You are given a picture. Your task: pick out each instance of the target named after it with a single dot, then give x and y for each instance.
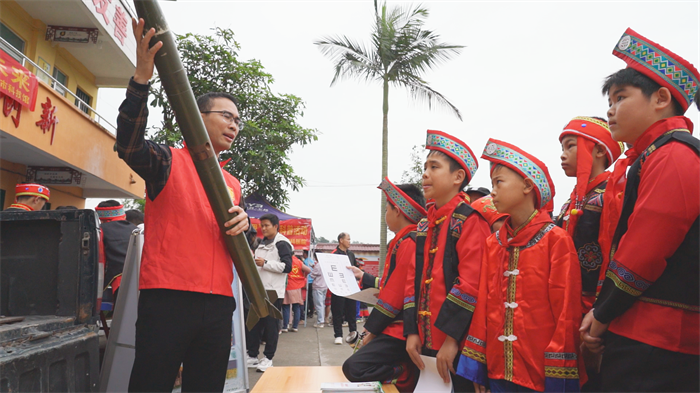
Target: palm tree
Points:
(401, 52)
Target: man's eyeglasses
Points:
(230, 118)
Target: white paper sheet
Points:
(368, 295)
(430, 380)
(340, 280)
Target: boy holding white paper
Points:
(383, 355)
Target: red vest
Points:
(184, 248)
(296, 278)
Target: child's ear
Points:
(599, 151)
(663, 98)
(529, 186)
(460, 174)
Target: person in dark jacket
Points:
(115, 232)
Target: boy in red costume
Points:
(524, 335)
(30, 197)
(441, 287)
(587, 150)
(649, 300)
(383, 356)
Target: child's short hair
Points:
(413, 192)
(632, 77)
(454, 166)
(274, 220)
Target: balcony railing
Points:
(58, 87)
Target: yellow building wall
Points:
(12, 173)
(32, 31)
(77, 140)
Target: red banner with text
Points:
(298, 231)
(16, 82)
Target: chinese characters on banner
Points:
(298, 231)
(48, 118)
(101, 8)
(17, 84)
(120, 18)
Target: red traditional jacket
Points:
(443, 282)
(585, 236)
(650, 293)
(387, 317)
(525, 327)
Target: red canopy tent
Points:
(298, 230)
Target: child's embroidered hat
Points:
(660, 64)
(589, 132)
(406, 205)
(499, 152)
(595, 130)
(487, 209)
(454, 148)
(31, 189)
(111, 213)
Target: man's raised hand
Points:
(144, 55)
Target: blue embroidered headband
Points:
(499, 152)
(453, 147)
(660, 64)
(408, 207)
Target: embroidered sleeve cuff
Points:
(552, 384)
(456, 314)
(369, 281)
(612, 301)
(472, 366)
(379, 320)
(410, 320)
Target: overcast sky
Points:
(527, 69)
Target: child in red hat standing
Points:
(587, 150)
(650, 298)
(524, 334)
(441, 287)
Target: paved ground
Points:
(307, 347)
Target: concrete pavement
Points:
(307, 347)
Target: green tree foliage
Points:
(138, 204)
(322, 240)
(414, 174)
(260, 153)
(401, 50)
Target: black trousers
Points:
(632, 366)
(268, 330)
(343, 307)
(310, 301)
(179, 327)
(376, 361)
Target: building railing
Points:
(58, 87)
